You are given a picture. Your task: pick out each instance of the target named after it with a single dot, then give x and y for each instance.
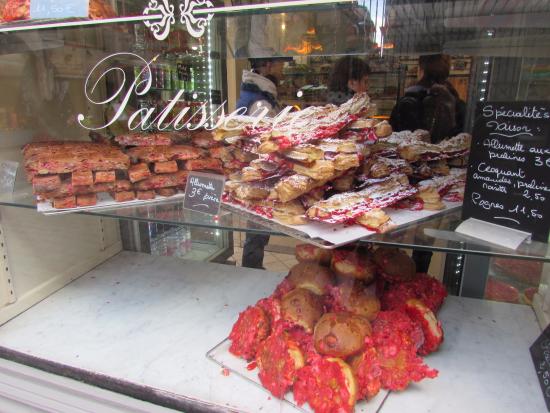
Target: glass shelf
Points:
(434, 233)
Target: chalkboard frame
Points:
(512, 206)
(218, 182)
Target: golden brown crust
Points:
(394, 264)
(311, 253)
(302, 307)
(311, 276)
(356, 300)
(322, 170)
(353, 264)
(340, 334)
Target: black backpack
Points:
(438, 110)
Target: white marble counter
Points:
(150, 321)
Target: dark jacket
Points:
(437, 109)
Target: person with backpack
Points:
(259, 91)
(431, 104)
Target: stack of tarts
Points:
(342, 326)
(333, 164)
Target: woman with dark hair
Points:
(350, 75)
(432, 103)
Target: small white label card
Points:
(58, 9)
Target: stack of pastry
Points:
(158, 166)
(141, 166)
(342, 326)
(434, 169)
(304, 156)
(334, 165)
(71, 174)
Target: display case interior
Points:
(107, 279)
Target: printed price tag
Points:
(203, 192)
(58, 9)
(508, 173)
(540, 353)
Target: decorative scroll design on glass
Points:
(161, 18)
(195, 25)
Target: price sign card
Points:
(58, 9)
(540, 353)
(203, 192)
(508, 179)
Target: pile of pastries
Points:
(341, 326)
(133, 166)
(333, 164)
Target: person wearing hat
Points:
(259, 91)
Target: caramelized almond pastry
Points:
(139, 172)
(86, 200)
(279, 358)
(291, 187)
(375, 220)
(321, 170)
(328, 385)
(290, 213)
(250, 329)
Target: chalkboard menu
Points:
(540, 353)
(58, 9)
(508, 179)
(203, 192)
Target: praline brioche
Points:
(431, 327)
(340, 334)
(394, 265)
(311, 253)
(310, 276)
(352, 298)
(251, 328)
(279, 358)
(328, 385)
(353, 264)
(302, 307)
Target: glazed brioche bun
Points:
(302, 307)
(356, 300)
(349, 377)
(353, 264)
(279, 358)
(310, 276)
(327, 384)
(394, 265)
(311, 253)
(366, 369)
(340, 334)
